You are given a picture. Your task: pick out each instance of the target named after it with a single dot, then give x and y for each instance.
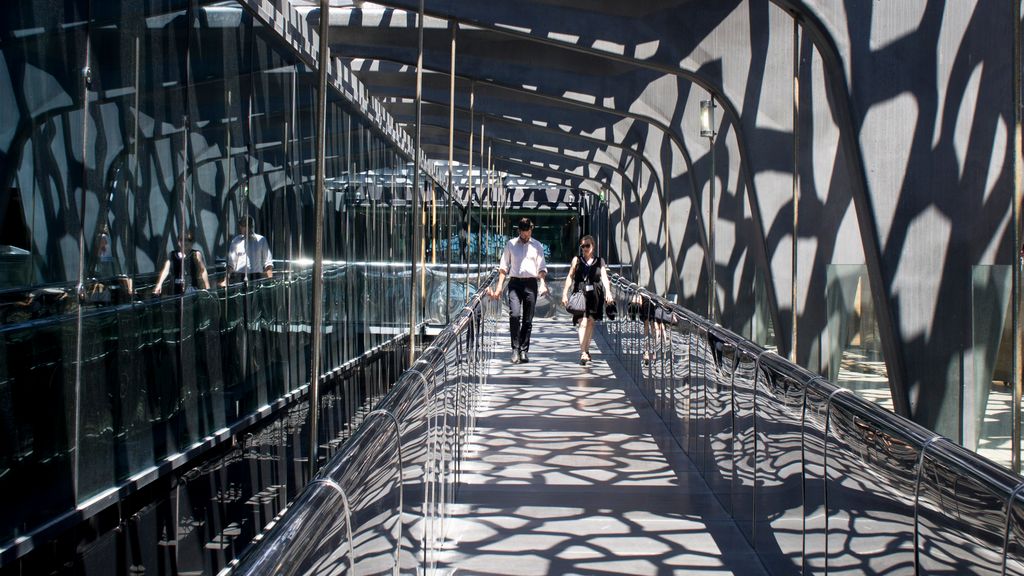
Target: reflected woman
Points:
(186, 268)
(588, 273)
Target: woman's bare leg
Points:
(581, 332)
(588, 334)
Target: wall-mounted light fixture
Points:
(707, 130)
(707, 118)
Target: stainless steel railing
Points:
(817, 479)
(380, 505)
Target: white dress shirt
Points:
(523, 259)
(249, 255)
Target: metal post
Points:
(480, 234)
(415, 216)
(1018, 205)
(669, 260)
(796, 194)
(423, 229)
(711, 236)
(318, 257)
(622, 228)
(451, 181)
(607, 224)
(433, 224)
(86, 78)
(707, 130)
(469, 186)
(491, 216)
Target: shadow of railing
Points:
(574, 475)
(817, 479)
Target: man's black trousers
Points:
(522, 301)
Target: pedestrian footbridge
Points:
(681, 448)
(243, 245)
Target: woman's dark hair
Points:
(588, 239)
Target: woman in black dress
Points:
(186, 268)
(589, 274)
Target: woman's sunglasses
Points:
(586, 246)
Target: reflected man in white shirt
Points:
(523, 262)
(248, 255)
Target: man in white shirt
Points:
(523, 262)
(248, 255)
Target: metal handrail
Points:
(401, 477)
(429, 472)
(276, 541)
(348, 518)
(938, 506)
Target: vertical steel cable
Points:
(86, 77)
(228, 170)
(1018, 205)
(498, 193)
(182, 230)
(416, 231)
(318, 258)
(249, 289)
(796, 192)
(433, 224)
(451, 185)
(469, 186)
(423, 222)
(622, 226)
(181, 184)
(713, 283)
(384, 254)
(490, 200)
(289, 134)
(483, 186)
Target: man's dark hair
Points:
(524, 224)
(249, 222)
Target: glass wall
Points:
(762, 329)
(855, 348)
(988, 389)
(157, 239)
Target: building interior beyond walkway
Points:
(245, 247)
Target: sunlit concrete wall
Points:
(891, 123)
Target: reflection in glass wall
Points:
(988, 393)
(855, 349)
(156, 238)
(762, 328)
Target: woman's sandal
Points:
(584, 358)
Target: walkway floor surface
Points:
(572, 472)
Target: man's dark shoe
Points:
(515, 357)
(523, 358)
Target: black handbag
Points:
(577, 304)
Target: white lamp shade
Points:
(707, 118)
